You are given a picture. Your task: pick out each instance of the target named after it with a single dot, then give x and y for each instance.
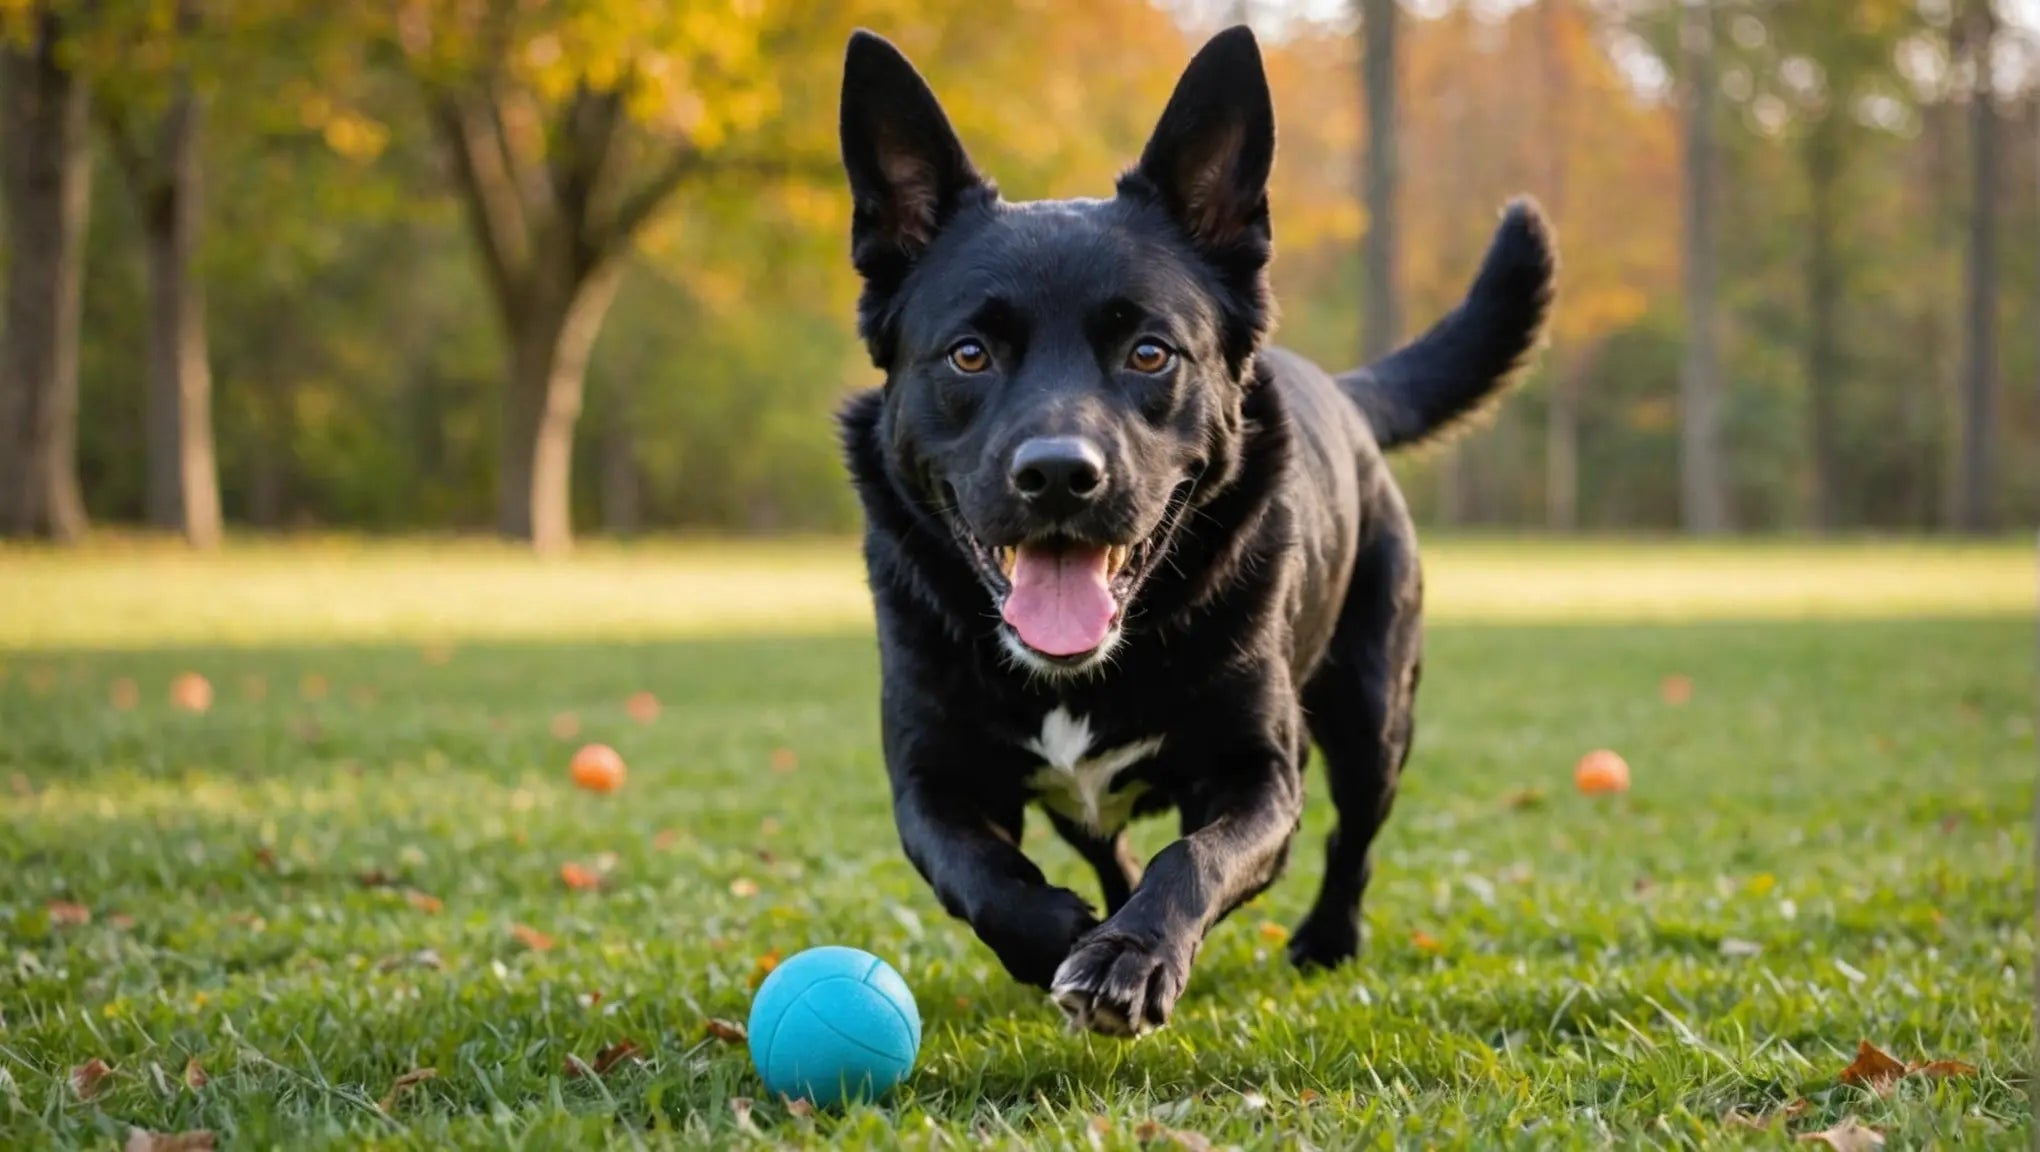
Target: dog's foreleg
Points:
(1124, 977)
(975, 865)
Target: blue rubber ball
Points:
(833, 1024)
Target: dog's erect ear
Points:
(1210, 154)
(908, 172)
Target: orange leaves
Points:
(727, 1031)
(424, 902)
(1878, 1071)
(1848, 1136)
(1676, 690)
(1762, 1121)
(763, 968)
(605, 1061)
(579, 877)
(190, 692)
(89, 1078)
(143, 1140)
(67, 913)
(532, 938)
(642, 707)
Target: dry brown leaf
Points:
(194, 1074)
(438, 654)
(665, 839)
(743, 887)
(740, 1107)
(1940, 1069)
(374, 878)
(68, 913)
(1308, 1097)
(768, 827)
(125, 694)
(313, 686)
(1425, 942)
(615, 1054)
(143, 1140)
(397, 1086)
(799, 1108)
(642, 707)
(88, 1078)
(1272, 932)
(1848, 1136)
(784, 760)
(726, 1031)
(120, 920)
(424, 901)
(265, 857)
(1872, 1069)
(532, 938)
(579, 877)
(1524, 798)
(566, 726)
(763, 968)
(1763, 1121)
(1153, 1133)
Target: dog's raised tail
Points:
(1450, 376)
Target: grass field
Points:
(350, 867)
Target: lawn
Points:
(351, 866)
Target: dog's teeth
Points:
(1115, 559)
(1006, 557)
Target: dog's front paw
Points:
(1118, 985)
(1324, 941)
(1032, 935)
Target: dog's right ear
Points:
(908, 171)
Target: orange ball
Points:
(1601, 771)
(598, 768)
(191, 692)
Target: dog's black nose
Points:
(1058, 474)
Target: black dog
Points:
(1124, 558)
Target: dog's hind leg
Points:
(1358, 706)
(1118, 871)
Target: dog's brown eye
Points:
(970, 357)
(1148, 356)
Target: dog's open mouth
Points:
(1063, 596)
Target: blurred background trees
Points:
(537, 265)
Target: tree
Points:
(1381, 324)
(45, 184)
(1975, 508)
(568, 128)
(1703, 501)
(1562, 416)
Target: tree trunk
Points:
(1979, 359)
(548, 367)
(1823, 157)
(1562, 407)
(45, 184)
(1381, 322)
(183, 479)
(1703, 501)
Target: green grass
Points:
(1853, 795)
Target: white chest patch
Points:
(1076, 783)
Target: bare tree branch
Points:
(495, 211)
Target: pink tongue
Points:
(1060, 605)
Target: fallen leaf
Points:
(374, 878)
(1272, 932)
(87, 1078)
(1940, 1069)
(768, 827)
(1848, 1136)
(313, 686)
(642, 707)
(363, 695)
(579, 877)
(143, 1140)
(255, 688)
(726, 1031)
(265, 858)
(1153, 1132)
(763, 968)
(605, 1061)
(1676, 689)
(532, 938)
(437, 654)
(1763, 1121)
(1424, 941)
(21, 784)
(190, 692)
(424, 901)
(397, 1086)
(963, 1003)
(665, 839)
(799, 1108)
(1872, 1069)
(740, 1108)
(784, 760)
(194, 1074)
(1950, 823)
(67, 913)
(120, 920)
(124, 694)
(743, 888)
(1307, 1097)
(1524, 798)
(566, 726)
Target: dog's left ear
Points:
(1210, 154)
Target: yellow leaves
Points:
(404, 1083)
(1877, 1070)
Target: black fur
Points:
(1270, 592)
